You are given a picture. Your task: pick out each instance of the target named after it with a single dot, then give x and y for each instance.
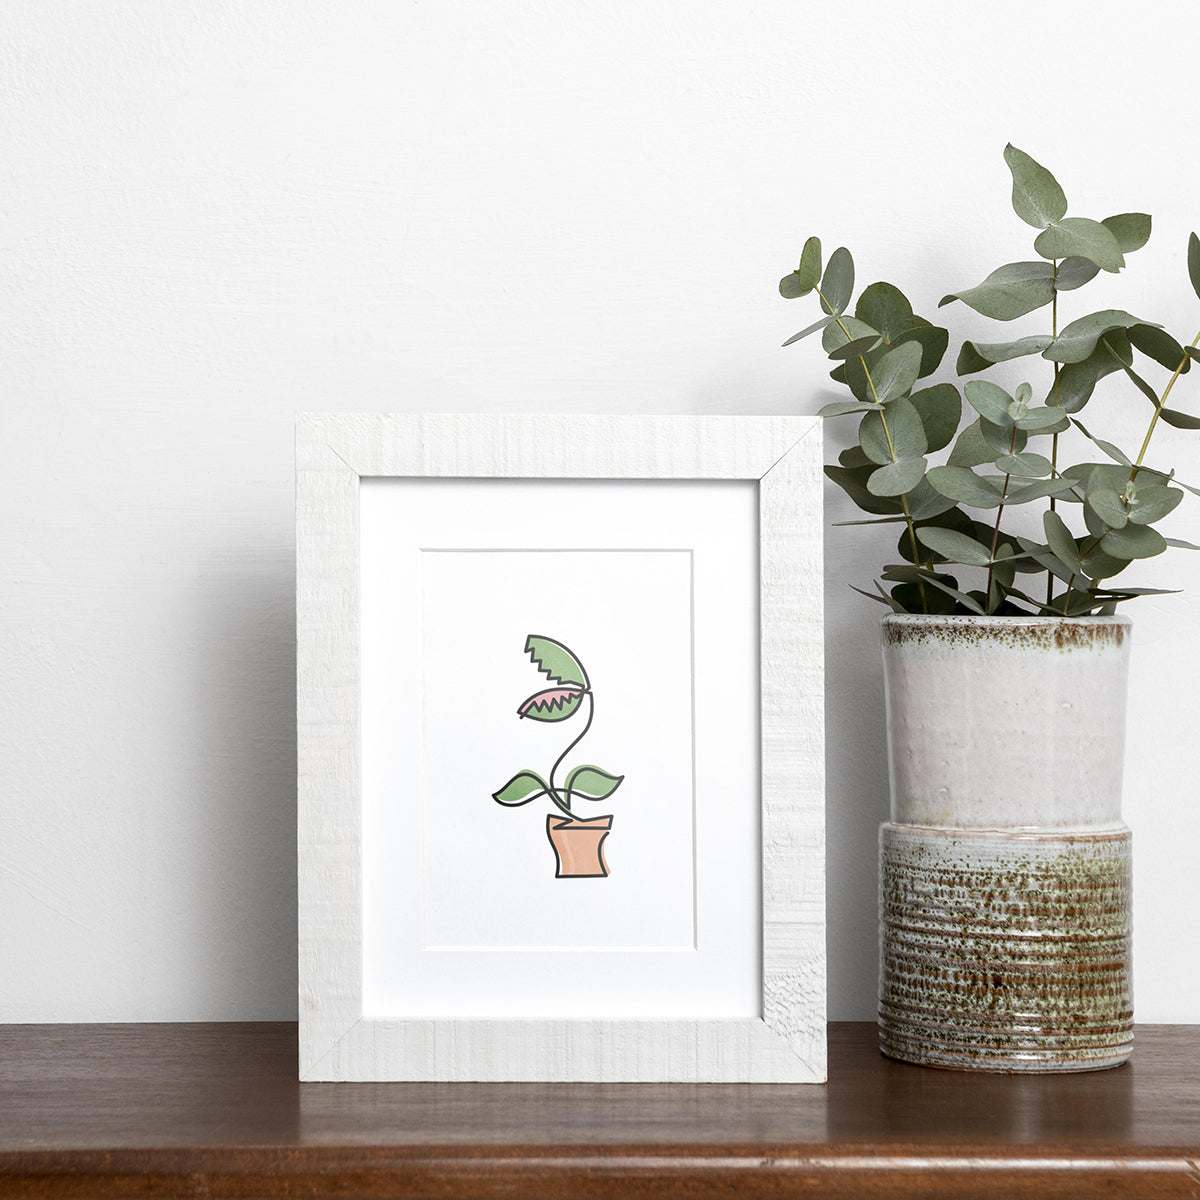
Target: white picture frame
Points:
(782, 457)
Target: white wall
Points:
(218, 214)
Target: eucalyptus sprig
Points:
(1004, 449)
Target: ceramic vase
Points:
(1005, 866)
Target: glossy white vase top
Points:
(1006, 722)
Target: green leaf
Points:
(1150, 504)
(1132, 230)
(1074, 273)
(1133, 541)
(990, 401)
(843, 330)
(555, 661)
(896, 478)
(839, 408)
(1061, 541)
(858, 347)
(1142, 386)
(1036, 197)
(940, 410)
(954, 547)
(897, 371)
(916, 576)
(903, 424)
(809, 270)
(1044, 420)
(1113, 452)
(837, 284)
(1079, 237)
(1158, 344)
(932, 339)
(853, 456)
(925, 502)
(554, 704)
(1038, 489)
(1002, 441)
(1077, 381)
(1180, 544)
(1105, 501)
(813, 328)
(521, 788)
(853, 481)
(1010, 291)
(885, 308)
(593, 783)
(1026, 465)
(978, 356)
(1077, 341)
(1179, 420)
(972, 448)
(881, 598)
(1193, 257)
(965, 487)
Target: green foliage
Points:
(1003, 449)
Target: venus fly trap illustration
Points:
(578, 842)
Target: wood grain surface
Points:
(216, 1111)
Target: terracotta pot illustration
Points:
(578, 846)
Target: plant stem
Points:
(1012, 442)
(1054, 438)
(1137, 466)
(565, 805)
(887, 433)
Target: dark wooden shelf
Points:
(215, 1111)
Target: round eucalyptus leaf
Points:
(940, 410)
(1159, 345)
(813, 328)
(1061, 540)
(896, 478)
(809, 270)
(1079, 237)
(1150, 504)
(837, 284)
(857, 348)
(842, 330)
(990, 401)
(1027, 465)
(954, 547)
(885, 307)
(965, 487)
(1078, 339)
(1105, 501)
(897, 371)
(1133, 541)
(1193, 259)
(1074, 273)
(1132, 230)
(1009, 292)
(1044, 420)
(971, 448)
(932, 339)
(1002, 441)
(1036, 196)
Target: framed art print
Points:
(561, 807)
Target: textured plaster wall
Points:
(215, 215)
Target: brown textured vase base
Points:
(1005, 951)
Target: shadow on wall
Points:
(244, 701)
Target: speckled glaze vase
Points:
(1005, 867)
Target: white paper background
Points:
(496, 935)
(627, 616)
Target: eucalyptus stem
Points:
(1137, 466)
(912, 532)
